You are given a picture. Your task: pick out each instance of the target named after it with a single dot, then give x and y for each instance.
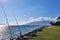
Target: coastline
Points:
(49, 33)
(30, 34)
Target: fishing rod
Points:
(6, 21)
(20, 33)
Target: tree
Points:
(57, 22)
(58, 18)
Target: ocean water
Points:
(14, 30)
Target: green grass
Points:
(49, 33)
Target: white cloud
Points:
(31, 19)
(41, 19)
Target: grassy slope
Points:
(49, 33)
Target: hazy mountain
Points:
(39, 23)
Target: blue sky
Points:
(25, 9)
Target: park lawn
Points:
(48, 33)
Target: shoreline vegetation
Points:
(49, 33)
